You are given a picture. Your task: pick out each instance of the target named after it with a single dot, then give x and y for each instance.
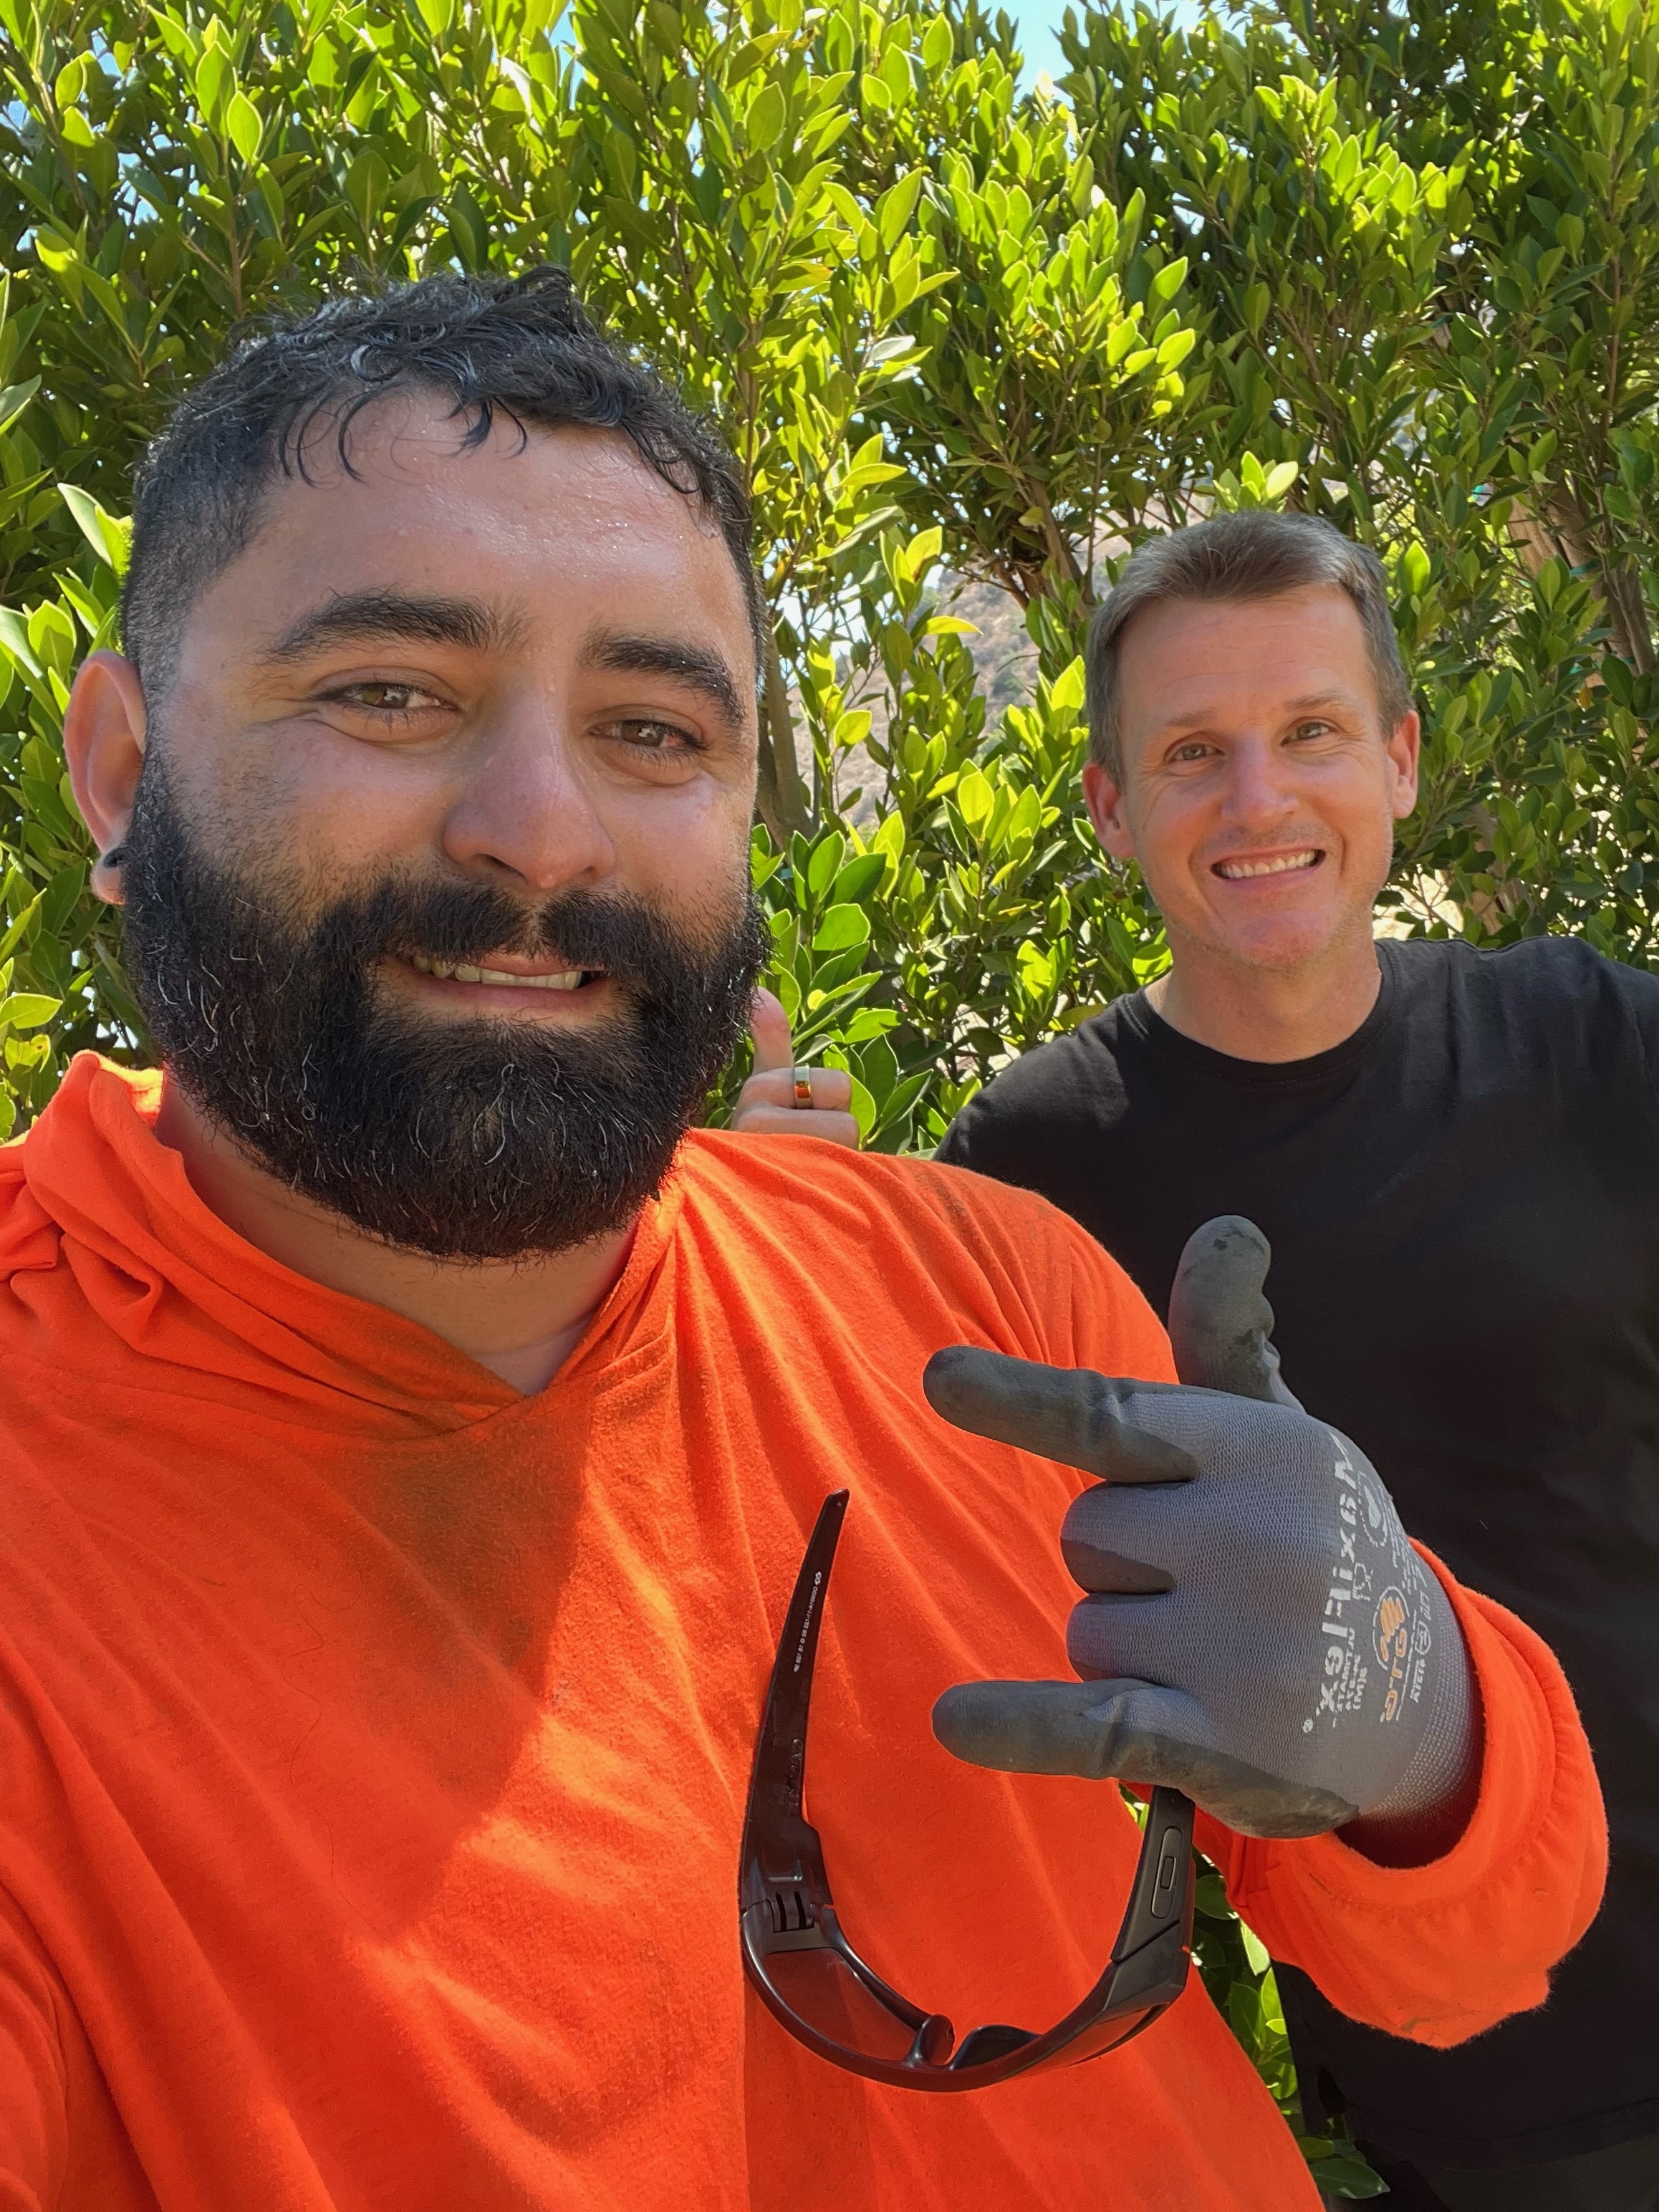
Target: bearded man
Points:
(412, 1435)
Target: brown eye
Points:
(662, 740)
(385, 698)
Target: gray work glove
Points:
(1257, 1631)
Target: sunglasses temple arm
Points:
(1162, 1898)
(783, 1729)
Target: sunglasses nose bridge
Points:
(934, 2041)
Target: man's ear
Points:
(1405, 749)
(1104, 800)
(104, 728)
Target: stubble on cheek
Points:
(261, 813)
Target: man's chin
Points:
(1283, 943)
(473, 1213)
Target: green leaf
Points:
(924, 548)
(1347, 2175)
(1277, 480)
(71, 79)
(841, 929)
(863, 1109)
(109, 536)
(896, 207)
(1066, 693)
(27, 1010)
(368, 186)
(825, 862)
(55, 253)
(664, 25)
(765, 119)
(14, 399)
(860, 877)
(212, 72)
(18, 929)
(975, 797)
(868, 1022)
(242, 125)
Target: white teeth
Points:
(1232, 870)
(460, 971)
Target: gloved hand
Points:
(1257, 1632)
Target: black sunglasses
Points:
(812, 1980)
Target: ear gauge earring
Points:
(114, 857)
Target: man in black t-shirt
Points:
(1456, 1157)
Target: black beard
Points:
(476, 1140)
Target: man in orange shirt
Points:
(412, 1434)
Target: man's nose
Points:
(526, 814)
(1259, 786)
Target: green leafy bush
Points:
(1395, 264)
(1396, 267)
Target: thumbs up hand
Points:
(1256, 1631)
(768, 1105)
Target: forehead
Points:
(568, 525)
(1182, 659)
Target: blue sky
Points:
(1036, 20)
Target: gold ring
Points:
(802, 1086)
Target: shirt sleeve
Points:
(953, 1146)
(1439, 1953)
(1007, 1129)
(1637, 995)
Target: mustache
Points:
(619, 935)
(481, 1138)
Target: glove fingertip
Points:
(957, 1370)
(1220, 1322)
(969, 1717)
(1019, 1728)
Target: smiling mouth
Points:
(1283, 864)
(463, 971)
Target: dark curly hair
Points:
(524, 348)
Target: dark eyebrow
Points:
(698, 666)
(398, 617)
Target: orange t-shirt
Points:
(373, 1740)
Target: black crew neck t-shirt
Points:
(1462, 1199)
